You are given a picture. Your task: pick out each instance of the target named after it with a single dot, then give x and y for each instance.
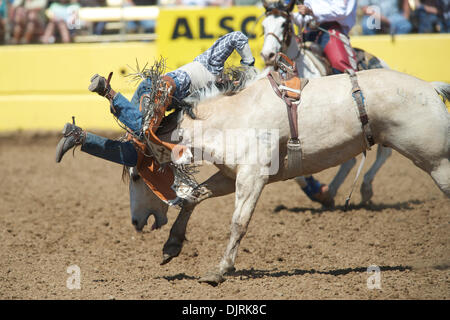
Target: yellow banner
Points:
(184, 33)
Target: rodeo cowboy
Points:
(335, 20)
(143, 148)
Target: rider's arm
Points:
(239, 41)
(331, 10)
(214, 58)
(300, 20)
(235, 41)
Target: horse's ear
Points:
(290, 5)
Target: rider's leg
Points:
(121, 152)
(336, 47)
(340, 59)
(127, 112)
(112, 150)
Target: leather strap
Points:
(291, 108)
(363, 117)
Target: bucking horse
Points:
(404, 113)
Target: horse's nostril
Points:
(134, 222)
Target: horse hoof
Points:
(166, 259)
(171, 250)
(230, 270)
(366, 193)
(212, 278)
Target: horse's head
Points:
(278, 29)
(143, 203)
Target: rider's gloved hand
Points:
(246, 54)
(249, 64)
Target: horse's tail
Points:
(443, 89)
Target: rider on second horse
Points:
(335, 19)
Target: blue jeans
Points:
(147, 25)
(112, 150)
(398, 24)
(427, 21)
(128, 113)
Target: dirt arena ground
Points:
(77, 213)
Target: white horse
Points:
(278, 29)
(405, 113)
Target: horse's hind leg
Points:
(424, 137)
(441, 176)
(366, 187)
(249, 185)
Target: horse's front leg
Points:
(216, 186)
(249, 185)
(174, 244)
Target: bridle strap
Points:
(276, 37)
(287, 31)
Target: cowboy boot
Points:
(73, 136)
(101, 85)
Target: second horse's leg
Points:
(343, 172)
(366, 187)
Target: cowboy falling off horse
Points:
(204, 71)
(155, 159)
(396, 117)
